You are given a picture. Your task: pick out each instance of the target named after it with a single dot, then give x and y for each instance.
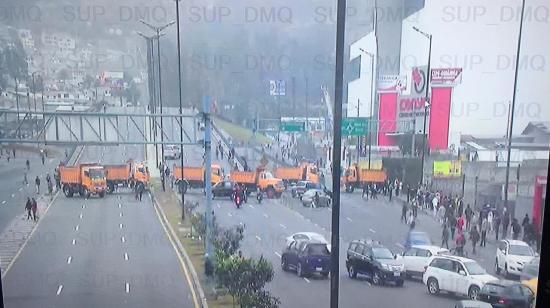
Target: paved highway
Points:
(110, 252)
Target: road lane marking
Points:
(127, 288)
(80, 215)
(120, 226)
(13, 195)
(399, 245)
(324, 229)
(307, 280)
(59, 289)
(282, 226)
(258, 238)
(69, 259)
(4, 202)
(329, 209)
(74, 241)
(77, 227)
(126, 256)
(120, 214)
(349, 219)
(119, 205)
(266, 216)
(251, 206)
(229, 214)
(123, 239)
(83, 206)
(218, 205)
(372, 230)
(20, 188)
(277, 254)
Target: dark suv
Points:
(375, 261)
(301, 187)
(306, 258)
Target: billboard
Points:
(412, 106)
(447, 169)
(446, 76)
(392, 83)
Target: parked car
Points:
(416, 258)
(223, 189)
(172, 151)
(306, 236)
(472, 304)
(511, 256)
(530, 270)
(309, 196)
(506, 293)
(301, 187)
(457, 275)
(306, 258)
(418, 238)
(375, 261)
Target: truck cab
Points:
(272, 186)
(94, 179)
(141, 174)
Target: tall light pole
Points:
(514, 95)
(181, 106)
(34, 99)
(158, 30)
(426, 103)
(372, 56)
(152, 91)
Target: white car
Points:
(417, 257)
(172, 151)
(458, 275)
(307, 236)
(511, 256)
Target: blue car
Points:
(306, 258)
(417, 238)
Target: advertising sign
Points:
(411, 106)
(446, 76)
(447, 169)
(277, 88)
(392, 83)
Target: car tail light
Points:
(502, 301)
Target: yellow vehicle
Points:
(356, 177)
(193, 177)
(84, 179)
(305, 172)
(261, 179)
(126, 175)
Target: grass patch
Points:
(239, 133)
(171, 205)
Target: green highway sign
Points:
(354, 126)
(294, 126)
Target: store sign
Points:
(418, 80)
(446, 76)
(447, 169)
(392, 83)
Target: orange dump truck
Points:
(84, 179)
(126, 175)
(355, 177)
(193, 177)
(261, 179)
(306, 172)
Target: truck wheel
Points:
(270, 192)
(110, 188)
(349, 189)
(86, 193)
(102, 194)
(182, 187)
(67, 191)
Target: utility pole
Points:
(307, 109)
(358, 137)
(209, 257)
(181, 104)
(413, 134)
(514, 96)
(372, 98)
(336, 153)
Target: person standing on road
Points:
(484, 228)
(28, 164)
(37, 183)
(460, 224)
(525, 221)
(43, 157)
(505, 224)
(452, 223)
(516, 229)
(140, 189)
(474, 237)
(25, 181)
(469, 213)
(57, 178)
(445, 236)
(34, 210)
(404, 209)
(497, 225)
(490, 220)
(28, 207)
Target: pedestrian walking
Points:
(516, 229)
(28, 164)
(441, 214)
(34, 210)
(490, 217)
(505, 224)
(452, 224)
(474, 237)
(25, 180)
(141, 188)
(497, 225)
(43, 157)
(525, 221)
(404, 213)
(460, 224)
(484, 228)
(28, 207)
(37, 183)
(469, 213)
(445, 236)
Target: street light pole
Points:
(358, 137)
(181, 106)
(426, 102)
(514, 96)
(371, 55)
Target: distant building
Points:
(26, 38)
(60, 42)
(539, 131)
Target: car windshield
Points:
(474, 268)
(318, 250)
(493, 288)
(520, 250)
(97, 174)
(420, 238)
(382, 253)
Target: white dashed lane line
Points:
(123, 239)
(120, 226)
(119, 205)
(372, 230)
(282, 226)
(307, 280)
(4, 202)
(251, 206)
(120, 215)
(74, 241)
(13, 195)
(277, 254)
(229, 214)
(69, 260)
(349, 219)
(258, 238)
(399, 245)
(59, 289)
(127, 288)
(20, 188)
(80, 216)
(266, 216)
(77, 227)
(126, 256)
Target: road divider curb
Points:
(195, 284)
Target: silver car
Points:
(308, 198)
